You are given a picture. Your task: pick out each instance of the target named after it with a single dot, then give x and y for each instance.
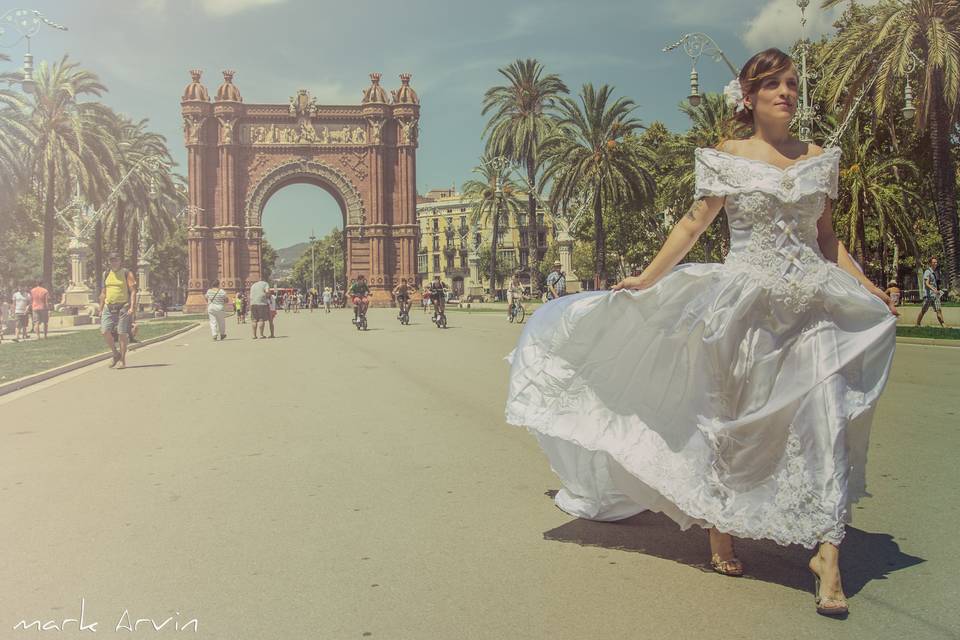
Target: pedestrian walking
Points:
(932, 292)
(259, 306)
(4, 314)
(118, 303)
(556, 282)
(238, 307)
(40, 305)
(327, 298)
(216, 310)
(271, 316)
(21, 311)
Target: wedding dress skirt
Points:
(737, 396)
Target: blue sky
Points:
(143, 50)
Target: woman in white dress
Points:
(216, 310)
(737, 397)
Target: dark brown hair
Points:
(757, 69)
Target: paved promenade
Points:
(331, 484)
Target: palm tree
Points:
(492, 205)
(880, 40)
(519, 125)
(15, 136)
(72, 140)
(711, 122)
(586, 158)
(135, 146)
(870, 188)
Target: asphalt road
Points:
(332, 484)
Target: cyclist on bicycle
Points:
(359, 293)
(438, 289)
(402, 293)
(514, 292)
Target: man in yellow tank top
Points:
(118, 303)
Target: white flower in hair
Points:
(733, 95)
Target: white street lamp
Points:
(24, 23)
(695, 45)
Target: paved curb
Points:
(20, 383)
(932, 342)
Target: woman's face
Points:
(776, 98)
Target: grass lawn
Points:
(928, 332)
(33, 356)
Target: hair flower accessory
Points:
(733, 95)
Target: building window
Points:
(463, 262)
(436, 243)
(436, 224)
(524, 257)
(422, 263)
(449, 263)
(436, 263)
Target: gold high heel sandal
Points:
(827, 606)
(732, 567)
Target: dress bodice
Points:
(772, 214)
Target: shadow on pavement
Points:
(864, 556)
(145, 366)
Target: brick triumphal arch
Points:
(241, 154)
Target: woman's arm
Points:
(681, 239)
(834, 251)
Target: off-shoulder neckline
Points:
(827, 151)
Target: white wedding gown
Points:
(735, 395)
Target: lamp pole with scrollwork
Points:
(22, 24)
(695, 45)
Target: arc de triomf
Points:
(241, 154)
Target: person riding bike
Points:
(359, 293)
(514, 293)
(402, 293)
(438, 290)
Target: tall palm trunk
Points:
(944, 181)
(121, 222)
(49, 222)
(98, 257)
(861, 248)
(533, 231)
(600, 241)
(493, 252)
(134, 250)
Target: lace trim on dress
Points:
(718, 173)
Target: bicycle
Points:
(404, 315)
(359, 319)
(517, 312)
(440, 319)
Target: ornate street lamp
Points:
(313, 265)
(695, 45)
(24, 23)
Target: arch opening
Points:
(293, 210)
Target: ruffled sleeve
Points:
(711, 174)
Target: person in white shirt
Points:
(21, 309)
(216, 303)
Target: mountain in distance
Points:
(289, 255)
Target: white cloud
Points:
(778, 23)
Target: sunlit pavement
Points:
(332, 483)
